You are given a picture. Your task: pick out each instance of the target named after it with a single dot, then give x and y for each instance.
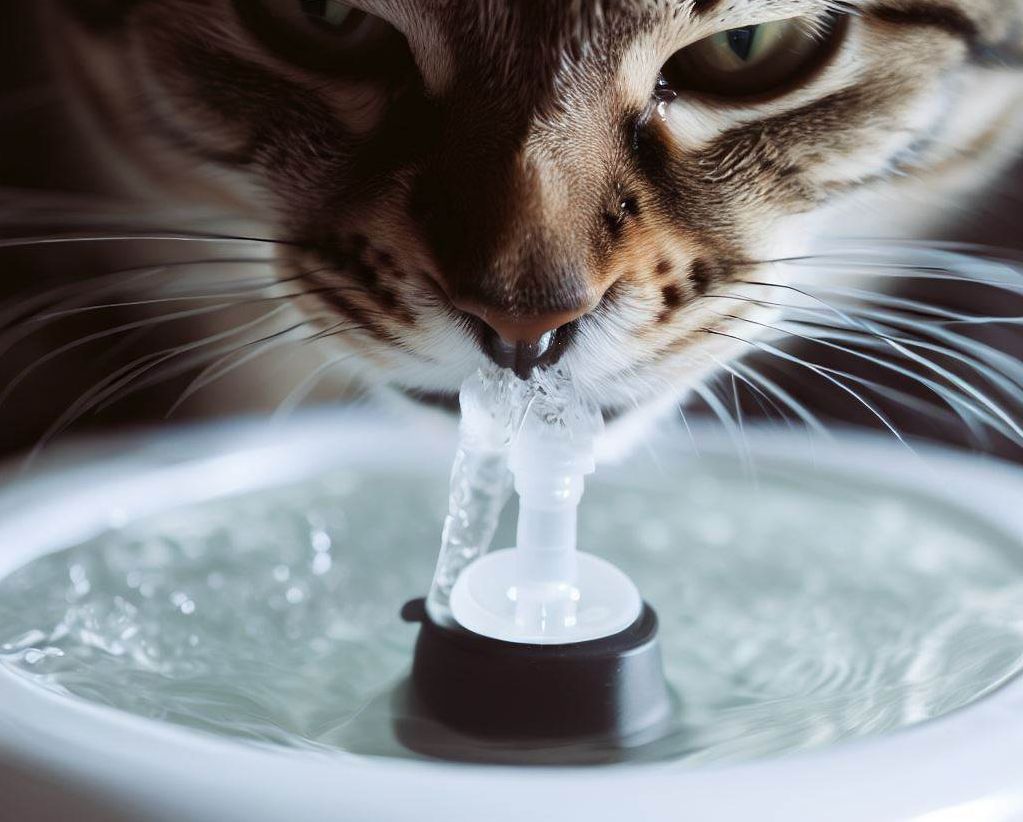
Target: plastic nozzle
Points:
(544, 591)
(538, 643)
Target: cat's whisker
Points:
(951, 377)
(984, 355)
(22, 311)
(339, 327)
(951, 251)
(126, 380)
(958, 405)
(760, 301)
(737, 409)
(1008, 378)
(99, 212)
(1008, 278)
(914, 273)
(144, 377)
(860, 296)
(667, 385)
(138, 367)
(689, 429)
(903, 351)
(213, 295)
(758, 392)
(866, 298)
(91, 284)
(929, 364)
(1004, 422)
(821, 371)
(990, 265)
(301, 392)
(49, 356)
(122, 279)
(1006, 381)
(239, 356)
(142, 236)
(114, 382)
(732, 429)
(956, 402)
(226, 300)
(243, 295)
(783, 396)
(989, 356)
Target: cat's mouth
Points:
(523, 356)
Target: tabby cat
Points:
(605, 184)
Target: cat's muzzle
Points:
(522, 357)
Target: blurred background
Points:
(132, 364)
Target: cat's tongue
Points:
(520, 357)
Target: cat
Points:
(598, 184)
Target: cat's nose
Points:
(524, 343)
(528, 330)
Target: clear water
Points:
(543, 415)
(795, 611)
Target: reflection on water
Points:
(794, 611)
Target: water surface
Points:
(796, 610)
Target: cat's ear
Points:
(100, 14)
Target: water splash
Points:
(494, 403)
(830, 609)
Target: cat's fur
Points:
(513, 153)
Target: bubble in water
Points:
(794, 613)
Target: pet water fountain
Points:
(538, 641)
(209, 624)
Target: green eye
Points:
(751, 61)
(736, 49)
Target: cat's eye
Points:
(336, 18)
(325, 35)
(752, 61)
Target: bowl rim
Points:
(966, 758)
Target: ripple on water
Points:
(795, 611)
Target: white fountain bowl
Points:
(64, 758)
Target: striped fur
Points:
(514, 153)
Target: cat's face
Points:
(613, 168)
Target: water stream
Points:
(797, 610)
